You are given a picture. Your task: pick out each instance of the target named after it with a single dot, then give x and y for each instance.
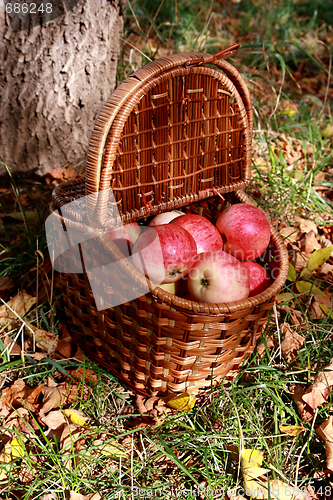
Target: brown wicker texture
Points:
(175, 133)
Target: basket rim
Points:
(215, 309)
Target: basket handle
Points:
(226, 52)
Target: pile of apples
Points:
(191, 257)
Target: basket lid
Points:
(177, 131)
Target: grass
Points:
(285, 57)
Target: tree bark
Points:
(54, 80)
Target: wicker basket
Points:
(177, 133)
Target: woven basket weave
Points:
(177, 133)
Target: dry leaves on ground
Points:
(325, 431)
(291, 343)
(307, 401)
(257, 486)
(45, 412)
(21, 304)
(318, 393)
(59, 175)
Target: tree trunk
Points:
(54, 80)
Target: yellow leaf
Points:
(76, 417)
(291, 430)
(328, 131)
(305, 286)
(112, 450)
(251, 461)
(291, 276)
(254, 457)
(28, 216)
(289, 111)
(317, 259)
(17, 448)
(183, 401)
(285, 296)
(326, 310)
(13, 449)
(298, 175)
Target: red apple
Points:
(204, 232)
(125, 236)
(218, 277)
(164, 253)
(246, 230)
(259, 277)
(164, 218)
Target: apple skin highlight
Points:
(205, 234)
(218, 277)
(246, 230)
(164, 253)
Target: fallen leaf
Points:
(301, 261)
(58, 175)
(46, 341)
(70, 440)
(291, 430)
(17, 449)
(311, 243)
(21, 304)
(325, 431)
(27, 216)
(305, 286)
(327, 269)
(53, 398)
(54, 419)
(290, 234)
(22, 421)
(107, 449)
(291, 276)
(317, 259)
(27, 475)
(306, 225)
(77, 496)
(318, 392)
(6, 284)
(76, 417)
(140, 405)
(12, 348)
(150, 403)
(13, 449)
(328, 131)
(259, 488)
(305, 411)
(321, 307)
(316, 312)
(327, 310)
(182, 402)
(18, 394)
(291, 343)
(287, 296)
(270, 343)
